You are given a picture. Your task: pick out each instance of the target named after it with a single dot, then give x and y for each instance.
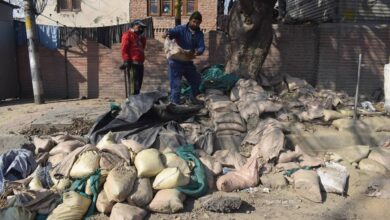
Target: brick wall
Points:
(92, 71)
(340, 45)
(93, 68)
(324, 55)
(208, 8)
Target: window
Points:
(167, 7)
(189, 7)
(69, 5)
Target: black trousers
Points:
(135, 75)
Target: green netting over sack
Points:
(79, 186)
(198, 186)
(213, 78)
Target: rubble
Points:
(221, 202)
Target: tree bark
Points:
(250, 37)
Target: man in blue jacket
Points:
(190, 38)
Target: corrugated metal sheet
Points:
(311, 10)
(338, 10)
(364, 10)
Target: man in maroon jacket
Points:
(132, 48)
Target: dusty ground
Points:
(17, 116)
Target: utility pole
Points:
(35, 68)
(178, 12)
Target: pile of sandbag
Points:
(227, 122)
(252, 100)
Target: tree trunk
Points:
(250, 37)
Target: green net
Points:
(213, 78)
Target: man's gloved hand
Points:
(125, 65)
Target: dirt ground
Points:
(16, 116)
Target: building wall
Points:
(93, 69)
(325, 55)
(208, 8)
(339, 48)
(94, 13)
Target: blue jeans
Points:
(176, 70)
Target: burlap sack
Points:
(74, 206)
(170, 178)
(66, 147)
(245, 177)
(103, 205)
(167, 201)
(142, 193)
(86, 164)
(148, 163)
(120, 182)
(122, 211)
(307, 185)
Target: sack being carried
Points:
(175, 52)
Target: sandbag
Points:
(57, 158)
(58, 138)
(307, 185)
(268, 106)
(167, 201)
(353, 153)
(133, 145)
(74, 207)
(148, 163)
(372, 166)
(102, 180)
(43, 144)
(108, 161)
(120, 182)
(103, 205)
(63, 168)
(86, 164)
(174, 51)
(245, 177)
(62, 184)
(42, 201)
(229, 158)
(107, 139)
(228, 142)
(192, 131)
(16, 213)
(118, 149)
(248, 110)
(142, 193)
(214, 166)
(223, 106)
(66, 147)
(229, 126)
(227, 117)
(288, 156)
(330, 115)
(268, 138)
(381, 156)
(333, 177)
(170, 178)
(348, 123)
(122, 211)
(35, 183)
(171, 160)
